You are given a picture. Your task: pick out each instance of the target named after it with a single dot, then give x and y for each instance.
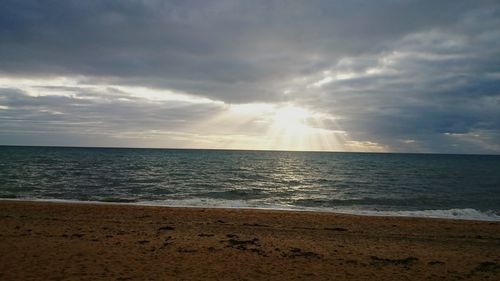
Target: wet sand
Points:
(56, 241)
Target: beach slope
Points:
(56, 241)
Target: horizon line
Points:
(241, 149)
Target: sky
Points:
(372, 76)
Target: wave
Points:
(236, 194)
(117, 200)
(460, 214)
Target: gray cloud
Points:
(102, 115)
(417, 75)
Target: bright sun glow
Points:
(291, 119)
(274, 127)
(296, 128)
(235, 126)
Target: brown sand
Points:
(53, 241)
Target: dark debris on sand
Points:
(383, 261)
(166, 228)
(487, 267)
(297, 252)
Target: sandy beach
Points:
(60, 241)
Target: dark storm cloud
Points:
(433, 85)
(441, 85)
(223, 49)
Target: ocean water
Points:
(423, 185)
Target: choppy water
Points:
(457, 186)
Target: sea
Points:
(380, 184)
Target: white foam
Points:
(460, 214)
(200, 202)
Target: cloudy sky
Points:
(395, 75)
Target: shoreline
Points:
(442, 214)
(47, 240)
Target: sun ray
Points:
(271, 127)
